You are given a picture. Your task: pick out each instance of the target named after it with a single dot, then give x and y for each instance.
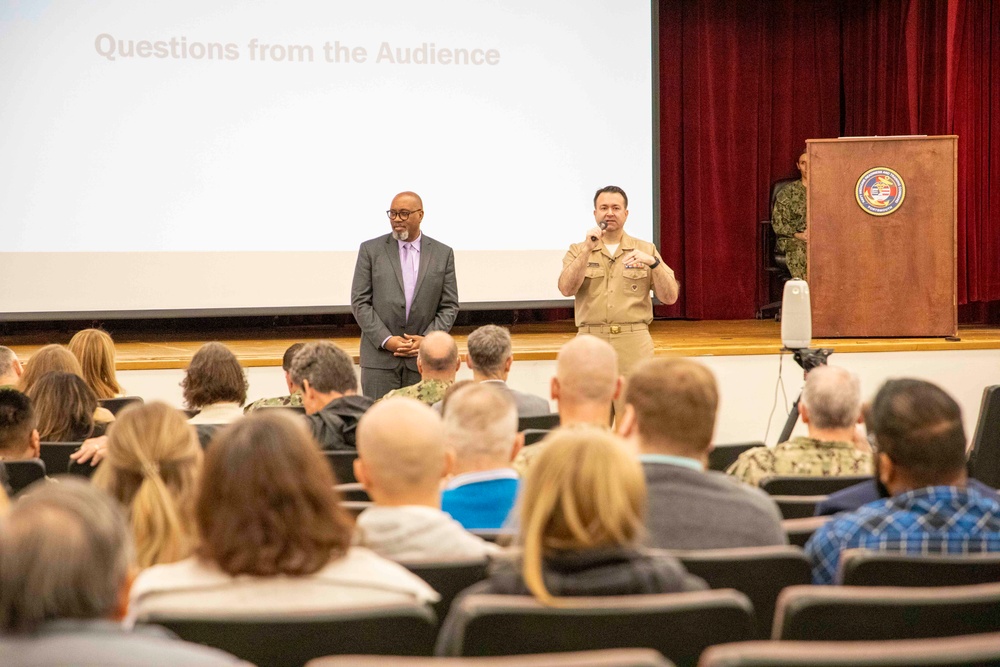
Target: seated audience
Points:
(151, 466)
(920, 459)
(402, 459)
(18, 436)
(294, 397)
(56, 358)
(669, 417)
(481, 428)
(96, 353)
(830, 407)
(437, 362)
(65, 568)
(585, 386)
(329, 393)
(10, 368)
(490, 358)
(215, 385)
(274, 538)
(581, 521)
(64, 406)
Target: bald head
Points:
(409, 200)
(587, 371)
(438, 357)
(401, 451)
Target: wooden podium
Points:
(882, 243)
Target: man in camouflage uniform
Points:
(830, 407)
(437, 362)
(294, 398)
(789, 221)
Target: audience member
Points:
(490, 358)
(10, 368)
(294, 397)
(853, 497)
(437, 361)
(669, 417)
(442, 407)
(65, 565)
(830, 407)
(274, 538)
(920, 458)
(585, 386)
(329, 393)
(215, 385)
(65, 406)
(56, 358)
(481, 428)
(95, 351)
(581, 521)
(402, 459)
(152, 464)
(19, 438)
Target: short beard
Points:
(401, 236)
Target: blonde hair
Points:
(152, 467)
(583, 491)
(96, 352)
(49, 358)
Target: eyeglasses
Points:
(403, 214)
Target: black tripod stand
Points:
(808, 359)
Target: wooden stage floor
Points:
(538, 342)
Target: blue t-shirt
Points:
(481, 500)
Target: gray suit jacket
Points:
(379, 305)
(689, 509)
(528, 405)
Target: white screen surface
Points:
(222, 154)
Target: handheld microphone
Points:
(603, 225)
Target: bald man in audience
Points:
(438, 362)
(830, 408)
(10, 368)
(18, 435)
(669, 417)
(585, 386)
(402, 459)
(481, 427)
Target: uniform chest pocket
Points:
(595, 272)
(635, 281)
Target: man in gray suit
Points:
(669, 418)
(490, 358)
(404, 287)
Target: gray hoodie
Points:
(414, 532)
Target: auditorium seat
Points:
(115, 405)
(353, 491)
(797, 507)
(56, 456)
(19, 474)
(534, 435)
(342, 464)
(448, 577)
(760, 573)
(356, 507)
(797, 485)
(544, 422)
(678, 625)
(723, 456)
(623, 657)
(967, 651)
(800, 530)
(862, 613)
(860, 567)
(502, 536)
(404, 629)
(984, 459)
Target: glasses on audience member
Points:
(403, 214)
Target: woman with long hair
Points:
(151, 465)
(96, 353)
(64, 408)
(581, 523)
(273, 536)
(58, 358)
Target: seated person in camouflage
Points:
(830, 407)
(437, 362)
(294, 398)
(329, 394)
(789, 220)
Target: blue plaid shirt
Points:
(935, 519)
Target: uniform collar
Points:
(625, 244)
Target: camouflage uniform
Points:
(293, 401)
(425, 391)
(802, 456)
(789, 217)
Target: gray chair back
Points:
(56, 456)
(448, 578)
(984, 459)
(623, 657)
(798, 485)
(342, 464)
(723, 456)
(859, 567)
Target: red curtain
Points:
(742, 85)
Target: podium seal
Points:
(880, 191)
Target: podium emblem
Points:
(880, 191)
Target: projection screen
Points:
(226, 157)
